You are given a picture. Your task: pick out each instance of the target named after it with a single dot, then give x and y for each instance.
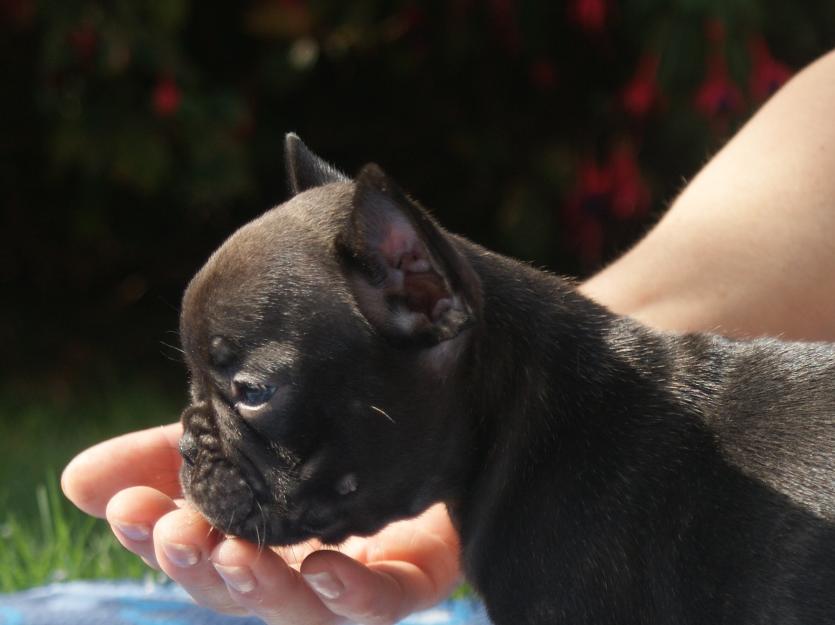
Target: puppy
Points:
(352, 363)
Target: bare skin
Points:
(745, 250)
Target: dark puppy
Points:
(352, 363)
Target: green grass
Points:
(61, 543)
(43, 537)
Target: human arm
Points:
(747, 249)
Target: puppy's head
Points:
(323, 340)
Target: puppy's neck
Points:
(540, 371)
(541, 347)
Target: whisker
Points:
(171, 306)
(166, 353)
(382, 412)
(263, 519)
(257, 537)
(174, 347)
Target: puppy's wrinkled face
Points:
(321, 340)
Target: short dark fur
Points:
(598, 471)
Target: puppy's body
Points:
(628, 476)
(597, 471)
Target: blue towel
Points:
(138, 603)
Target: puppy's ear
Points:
(305, 170)
(409, 279)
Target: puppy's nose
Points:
(188, 448)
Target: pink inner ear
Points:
(399, 240)
(426, 293)
(422, 289)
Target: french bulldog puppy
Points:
(352, 363)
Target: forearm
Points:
(748, 247)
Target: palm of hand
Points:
(132, 481)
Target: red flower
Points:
(642, 92)
(18, 12)
(602, 195)
(718, 95)
(630, 193)
(506, 25)
(590, 15)
(594, 182)
(83, 41)
(584, 209)
(543, 74)
(166, 97)
(768, 75)
(589, 241)
(412, 16)
(715, 32)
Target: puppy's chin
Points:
(272, 496)
(221, 493)
(282, 533)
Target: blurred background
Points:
(136, 135)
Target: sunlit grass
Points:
(43, 537)
(60, 543)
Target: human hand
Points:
(132, 481)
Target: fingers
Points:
(132, 514)
(174, 539)
(182, 543)
(429, 541)
(411, 565)
(381, 595)
(264, 584)
(148, 457)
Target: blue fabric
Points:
(137, 603)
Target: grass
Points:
(43, 537)
(61, 543)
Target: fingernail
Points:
(325, 584)
(150, 561)
(134, 532)
(181, 555)
(240, 578)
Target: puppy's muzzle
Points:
(188, 448)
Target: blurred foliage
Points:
(137, 134)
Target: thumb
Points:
(379, 594)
